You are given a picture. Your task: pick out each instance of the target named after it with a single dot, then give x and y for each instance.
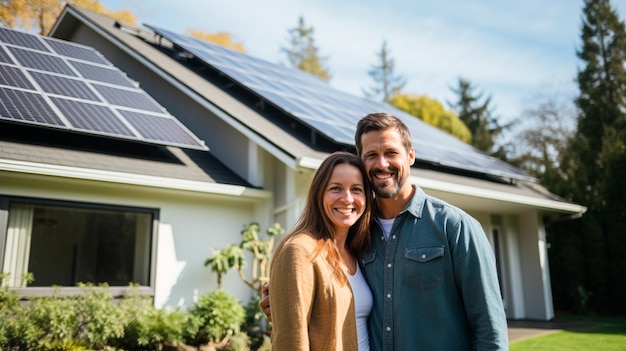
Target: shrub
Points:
(87, 320)
(220, 316)
(147, 327)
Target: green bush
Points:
(149, 328)
(221, 317)
(87, 320)
(93, 320)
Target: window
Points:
(63, 244)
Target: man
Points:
(431, 269)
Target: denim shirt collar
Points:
(416, 204)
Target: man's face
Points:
(387, 162)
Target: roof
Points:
(285, 144)
(143, 46)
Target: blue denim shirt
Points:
(434, 282)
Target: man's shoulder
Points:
(440, 206)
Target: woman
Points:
(315, 268)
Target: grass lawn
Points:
(611, 336)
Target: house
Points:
(266, 128)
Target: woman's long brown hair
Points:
(313, 219)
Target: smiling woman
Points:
(315, 270)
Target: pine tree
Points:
(386, 84)
(478, 117)
(596, 165)
(303, 53)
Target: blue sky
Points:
(513, 51)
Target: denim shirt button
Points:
(393, 236)
(388, 265)
(388, 296)
(388, 328)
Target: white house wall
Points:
(535, 270)
(512, 267)
(190, 225)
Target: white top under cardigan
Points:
(363, 306)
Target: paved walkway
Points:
(522, 329)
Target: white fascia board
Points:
(472, 191)
(309, 162)
(272, 149)
(131, 179)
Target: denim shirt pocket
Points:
(423, 267)
(368, 257)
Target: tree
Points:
(386, 84)
(596, 166)
(542, 141)
(232, 256)
(478, 117)
(432, 112)
(303, 53)
(41, 14)
(220, 38)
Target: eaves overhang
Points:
(35, 168)
(481, 195)
(499, 197)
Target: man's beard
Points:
(389, 190)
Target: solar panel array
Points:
(331, 112)
(58, 84)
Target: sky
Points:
(511, 51)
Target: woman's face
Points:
(344, 197)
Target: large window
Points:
(63, 244)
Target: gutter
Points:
(472, 191)
(131, 179)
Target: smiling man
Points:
(430, 266)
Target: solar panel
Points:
(330, 112)
(27, 106)
(57, 84)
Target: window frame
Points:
(116, 291)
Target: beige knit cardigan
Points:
(310, 310)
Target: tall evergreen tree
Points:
(303, 53)
(597, 168)
(386, 83)
(478, 117)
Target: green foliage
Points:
(432, 112)
(152, 328)
(221, 261)
(239, 342)
(386, 83)
(85, 320)
(478, 117)
(220, 316)
(15, 330)
(595, 169)
(255, 324)
(303, 53)
(232, 256)
(91, 320)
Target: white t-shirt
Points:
(363, 306)
(386, 224)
